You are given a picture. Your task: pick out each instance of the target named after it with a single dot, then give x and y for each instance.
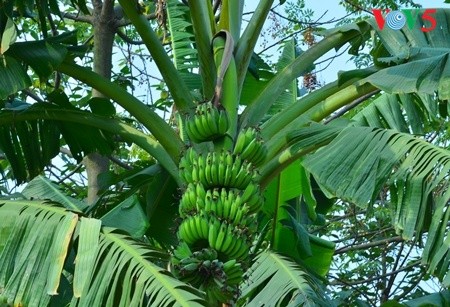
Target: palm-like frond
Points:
(110, 268)
(274, 280)
(184, 55)
(357, 163)
(41, 188)
(124, 276)
(36, 240)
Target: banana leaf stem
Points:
(127, 133)
(152, 121)
(177, 87)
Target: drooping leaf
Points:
(42, 56)
(102, 106)
(439, 299)
(41, 188)
(29, 145)
(290, 95)
(162, 208)
(360, 160)
(128, 216)
(13, 77)
(9, 36)
(41, 237)
(423, 58)
(282, 283)
(37, 244)
(291, 206)
(124, 276)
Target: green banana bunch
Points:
(193, 200)
(229, 240)
(250, 146)
(194, 228)
(207, 123)
(205, 254)
(234, 272)
(218, 206)
(252, 197)
(216, 170)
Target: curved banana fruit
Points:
(207, 123)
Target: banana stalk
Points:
(231, 17)
(226, 84)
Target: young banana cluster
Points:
(250, 146)
(233, 205)
(204, 271)
(207, 123)
(214, 169)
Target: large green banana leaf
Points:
(38, 242)
(357, 163)
(283, 283)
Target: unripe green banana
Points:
(192, 131)
(203, 222)
(215, 168)
(234, 207)
(194, 174)
(227, 243)
(196, 232)
(202, 177)
(228, 175)
(208, 175)
(209, 205)
(249, 150)
(219, 209)
(250, 146)
(207, 123)
(212, 119)
(185, 233)
(220, 237)
(213, 231)
(243, 177)
(229, 264)
(190, 267)
(226, 207)
(237, 247)
(206, 126)
(199, 126)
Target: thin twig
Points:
(365, 281)
(367, 245)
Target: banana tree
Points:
(242, 182)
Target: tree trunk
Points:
(104, 24)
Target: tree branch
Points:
(127, 39)
(368, 245)
(76, 17)
(364, 281)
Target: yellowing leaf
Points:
(9, 36)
